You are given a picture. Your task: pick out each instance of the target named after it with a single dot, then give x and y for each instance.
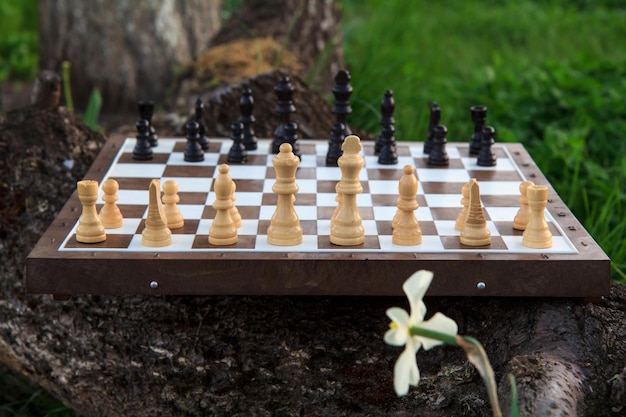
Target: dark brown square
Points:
(157, 158)
(370, 243)
(454, 243)
(113, 241)
(243, 242)
(193, 171)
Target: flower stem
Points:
(448, 339)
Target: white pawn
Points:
(223, 231)
(537, 234)
(523, 214)
(406, 229)
(110, 214)
(170, 200)
(285, 229)
(90, 229)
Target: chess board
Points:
(574, 266)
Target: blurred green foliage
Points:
(18, 39)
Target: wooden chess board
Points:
(573, 267)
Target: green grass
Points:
(553, 75)
(18, 39)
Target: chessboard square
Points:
(248, 227)
(137, 170)
(244, 243)
(191, 211)
(364, 201)
(390, 175)
(190, 227)
(370, 228)
(165, 146)
(430, 244)
(132, 211)
(307, 160)
(502, 164)
(447, 228)
(186, 184)
(499, 187)
(180, 243)
(500, 200)
(369, 243)
(178, 158)
(383, 187)
(384, 200)
(157, 158)
(306, 212)
(246, 212)
(130, 226)
(247, 172)
(189, 171)
(372, 162)
(113, 242)
(384, 212)
(136, 197)
(559, 245)
(326, 186)
(323, 227)
(188, 197)
(262, 148)
(495, 175)
(442, 175)
(445, 213)
(328, 173)
(309, 244)
(502, 214)
(436, 187)
(250, 186)
(241, 199)
(326, 200)
(443, 200)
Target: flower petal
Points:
(396, 337)
(438, 322)
(398, 315)
(415, 287)
(405, 371)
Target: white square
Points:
(137, 171)
(442, 175)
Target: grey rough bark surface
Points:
(128, 50)
(271, 356)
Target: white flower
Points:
(405, 372)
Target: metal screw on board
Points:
(154, 285)
(481, 285)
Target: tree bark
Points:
(128, 50)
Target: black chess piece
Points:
(284, 107)
(204, 141)
(246, 106)
(146, 111)
(438, 155)
(479, 117)
(388, 155)
(291, 137)
(433, 121)
(143, 150)
(334, 144)
(486, 156)
(237, 153)
(387, 107)
(193, 151)
(342, 90)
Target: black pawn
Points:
(486, 156)
(284, 107)
(204, 141)
(387, 107)
(388, 154)
(438, 155)
(291, 137)
(237, 153)
(193, 151)
(433, 121)
(342, 90)
(479, 117)
(246, 106)
(334, 144)
(142, 150)
(146, 111)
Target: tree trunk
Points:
(128, 50)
